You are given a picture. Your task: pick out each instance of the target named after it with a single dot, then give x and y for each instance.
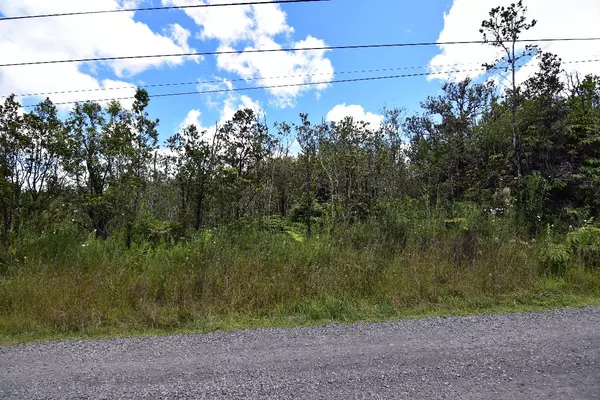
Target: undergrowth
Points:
(56, 285)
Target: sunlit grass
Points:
(224, 279)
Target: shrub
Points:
(533, 205)
(151, 230)
(584, 243)
(555, 257)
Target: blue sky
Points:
(338, 22)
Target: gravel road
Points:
(550, 355)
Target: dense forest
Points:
(488, 195)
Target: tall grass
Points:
(60, 284)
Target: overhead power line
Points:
(120, 10)
(315, 48)
(374, 78)
(256, 78)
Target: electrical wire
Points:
(170, 84)
(254, 78)
(228, 90)
(120, 10)
(315, 48)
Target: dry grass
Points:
(99, 288)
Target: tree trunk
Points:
(309, 199)
(128, 234)
(99, 223)
(282, 204)
(513, 106)
(16, 210)
(6, 218)
(199, 211)
(130, 222)
(102, 229)
(182, 212)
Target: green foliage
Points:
(346, 174)
(301, 212)
(535, 197)
(584, 243)
(64, 284)
(555, 257)
(149, 229)
(581, 246)
(576, 217)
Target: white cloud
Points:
(194, 117)
(88, 36)
(556, 19)
(235, 103)
(233, 24)
(181, 36)
(289, 68)
(258, 26)
(357, 112)
(165, 152)
(229, 103)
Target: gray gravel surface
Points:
(549, 355)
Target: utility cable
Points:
(375, 78)
(189, 83)
(120, 10)
(315, 48)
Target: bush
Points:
(151, 230)
(584, 243)
(533, 205)
(555, 258)
(299, 212)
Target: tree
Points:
(583, 130)
(395, 167)
(282, 167)
(246, 143)
(306, 136)
(196, 156)
(442, 148)
(96, 143)
(542, 120)
(12, 141)
(39, 162)
(502, 30)
(144, 137)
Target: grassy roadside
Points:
(234, 322)
(316, 313)
(223, 281)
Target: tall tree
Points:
(246, 143)
(395, 168)
(196, 155)
(144, 138)
(96, 141)
(442, 152)
(12, 141)
(503, 30)
(282, 168)
(41, 153)
(583, 129)
(307, 138)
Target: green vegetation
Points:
(218, 276)
(478, 203)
